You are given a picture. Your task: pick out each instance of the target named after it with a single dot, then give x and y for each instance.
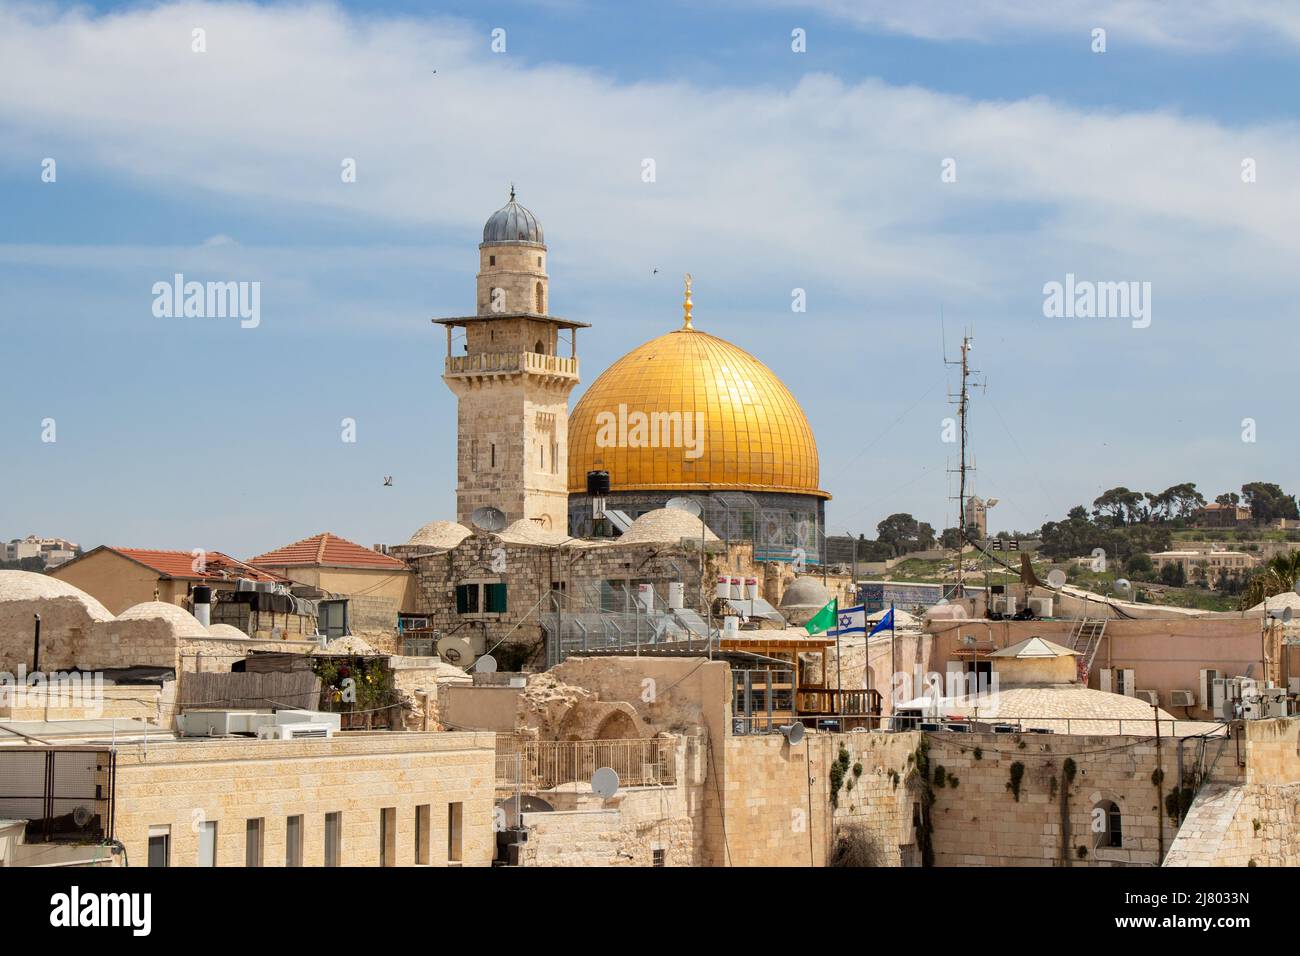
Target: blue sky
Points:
(775, 171)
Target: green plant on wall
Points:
(919, 785)
(1017, 775)
(838, 769)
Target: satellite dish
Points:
(793, 733)
(455, 650)
(526, 803)
(82, 816)
(1056, 578)
(604, 782)
(487, 664)
(488, 519)
(689, 505)
(1122, 584)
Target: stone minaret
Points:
(511, 383)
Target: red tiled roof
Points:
(180, 564)
(327, 550)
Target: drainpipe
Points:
(36, 646)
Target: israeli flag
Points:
(852, 620)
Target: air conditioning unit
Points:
(1005, 604)
(1150, 696)
(295, 732)
(1041, 606)
(1182, 698)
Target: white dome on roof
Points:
(805, 592)
(30, 586)
(186, 624)
(440, 534)
(666, 526)
(226, 630)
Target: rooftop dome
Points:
(1063, 708)
(227, 631)
(512, 224)
(805, 592)
(30, 586)
(752, 434)
(666, 526)
(440, 534)
(186, 624)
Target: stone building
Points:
(358, 590)
(122, 577)
(511, 383)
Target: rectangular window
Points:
(657, 857)
(455, 815)
(492, 260)
(467, 599)
(333, 839)
(160, 846)
(388, 836)
(293, 841)
(495, 598)
(333, 618)
(493, 456)
(253, 841)
(208, 843)
(422, 835)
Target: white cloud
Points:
(830, 186)
(1194, 25)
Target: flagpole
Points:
(839, 670)
(893, 659)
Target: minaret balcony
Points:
(488, 364)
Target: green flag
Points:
(824, 619)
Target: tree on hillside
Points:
(903, 533)
(1120, 505)
(1268, 502)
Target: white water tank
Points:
(645, 596)
(677, 595)
(731, 626)
(751, 589)
(723, 589)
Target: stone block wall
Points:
(231, 781)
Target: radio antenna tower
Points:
(962, 400)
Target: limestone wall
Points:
(181, 783)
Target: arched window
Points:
(541, 310)
(1108, 823)
(539, 348)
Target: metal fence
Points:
(606, 616)
(65, 794)
(545, 764)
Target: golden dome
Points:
(638, 421)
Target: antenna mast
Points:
(962, 401)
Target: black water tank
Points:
(202, 594)
(598, 483)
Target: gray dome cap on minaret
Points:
(512, 224)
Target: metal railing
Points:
(545, 764)
(489, 362)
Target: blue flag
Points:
(886, 623)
